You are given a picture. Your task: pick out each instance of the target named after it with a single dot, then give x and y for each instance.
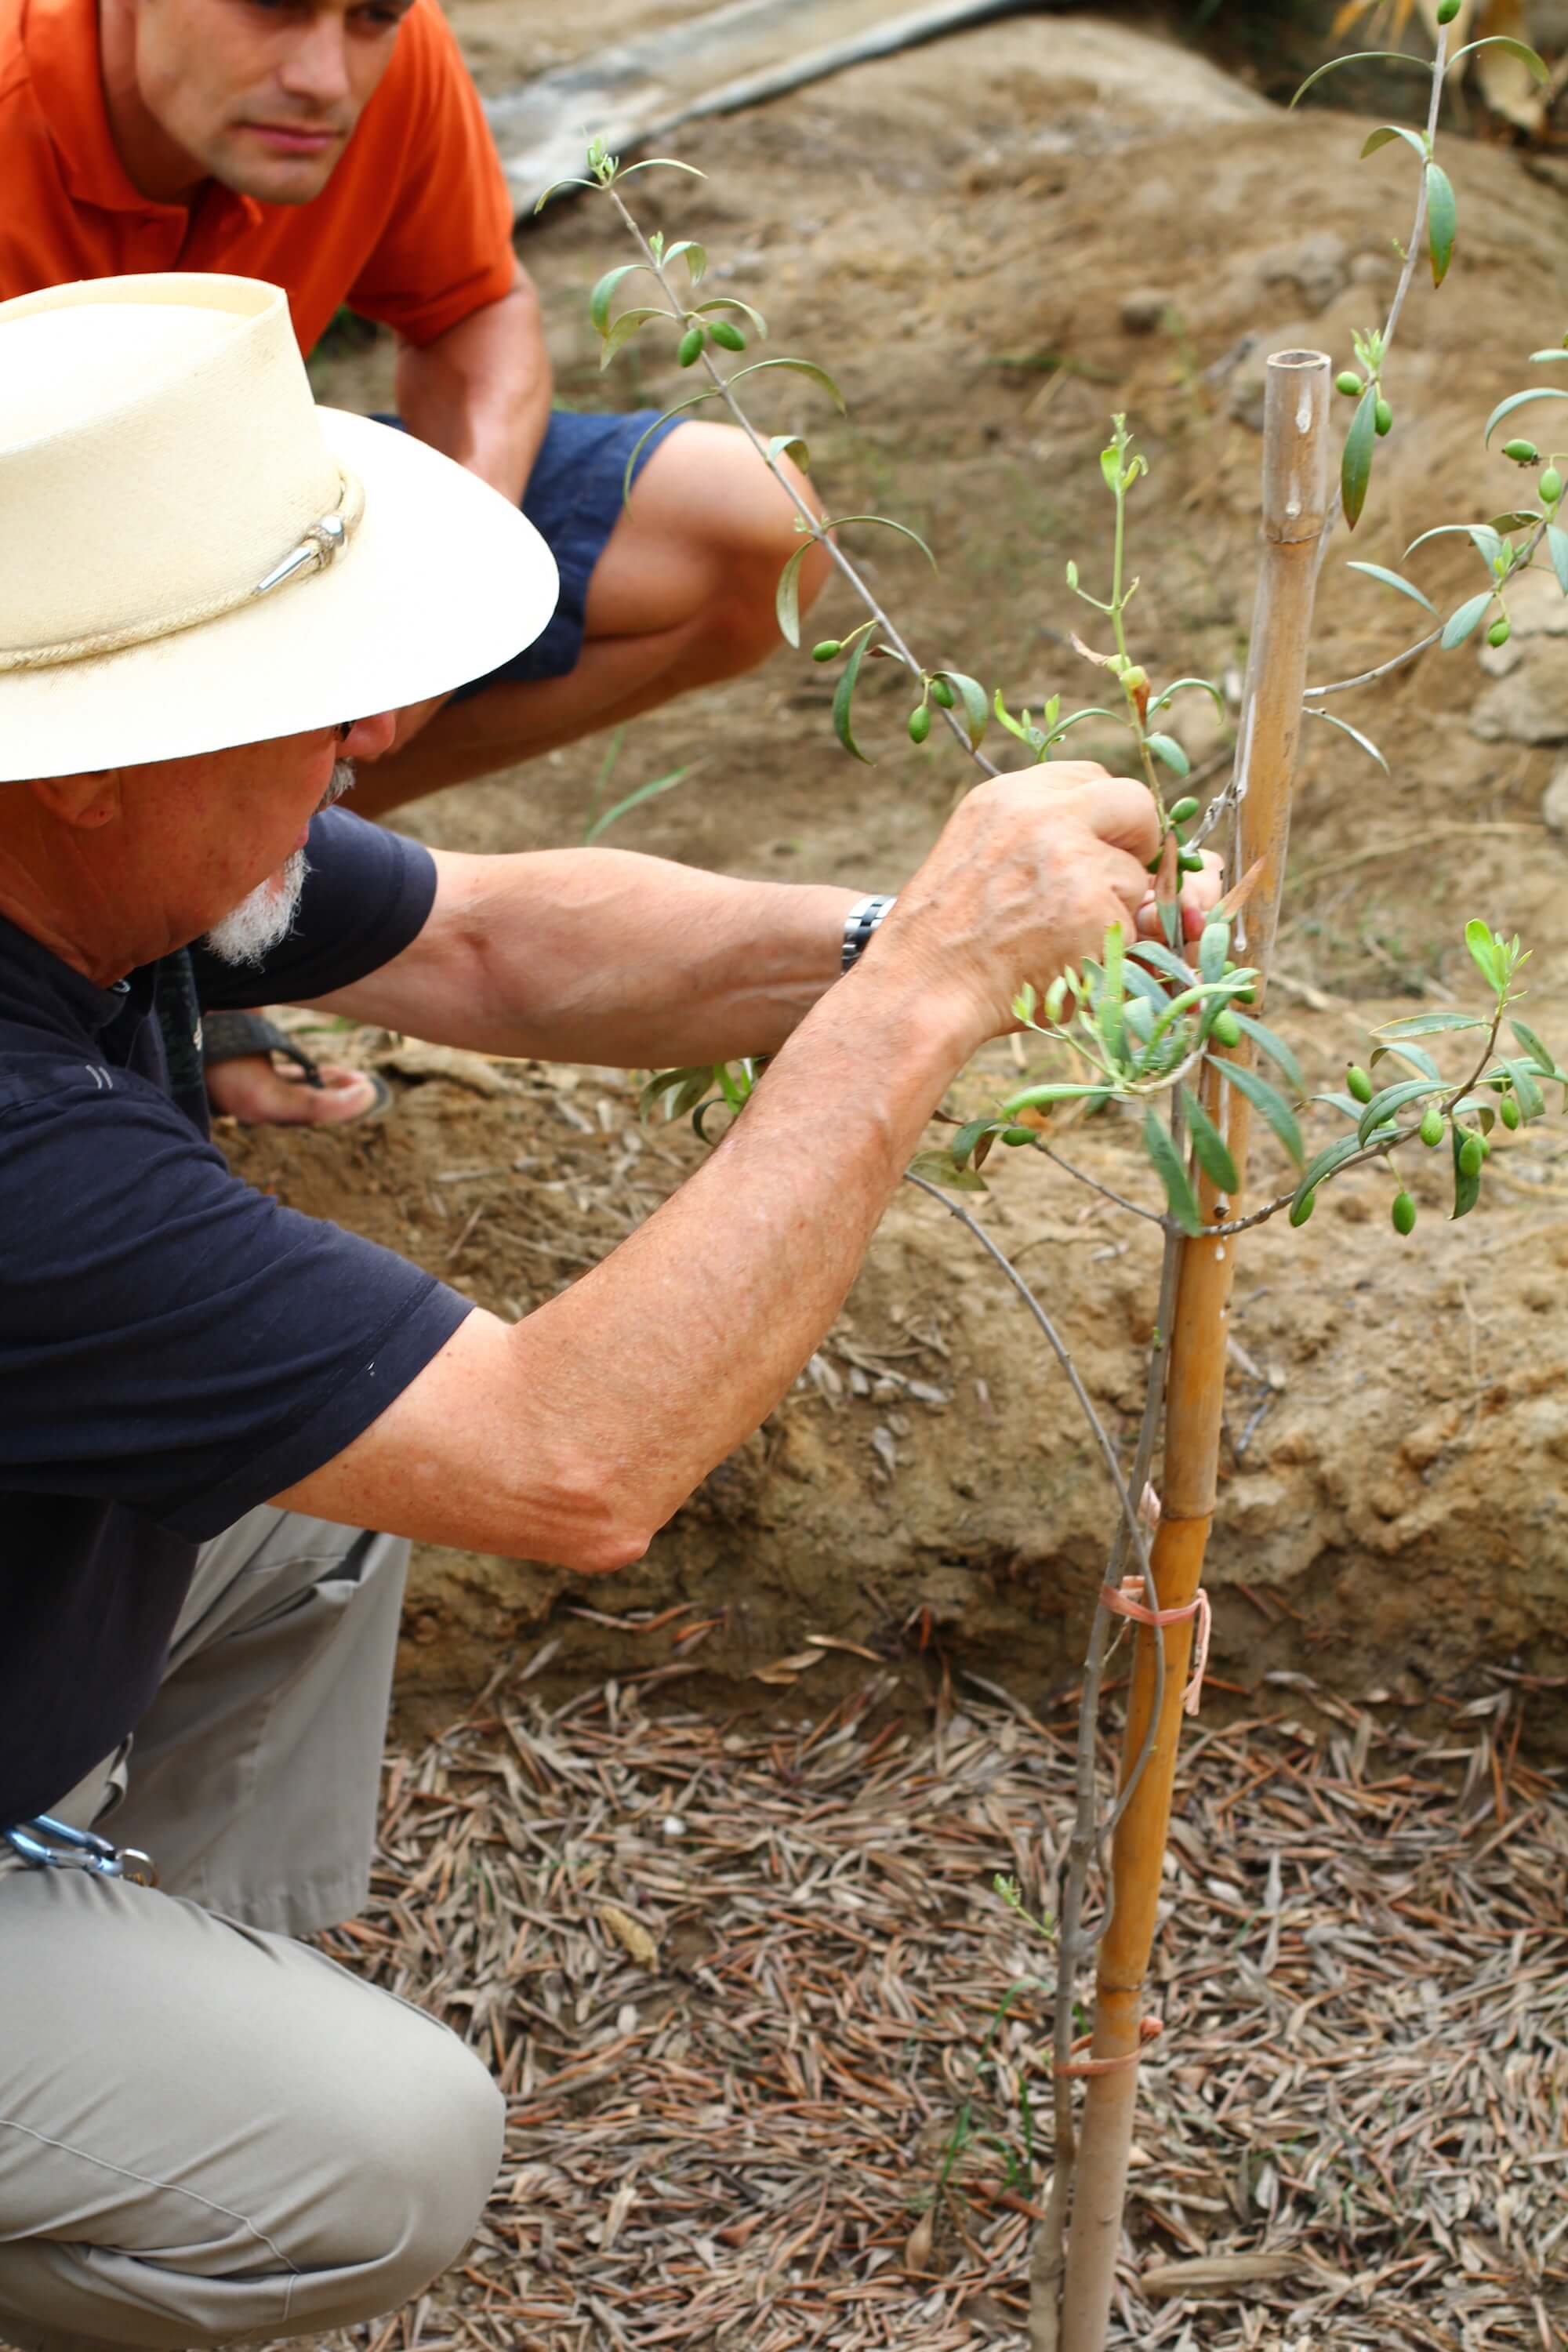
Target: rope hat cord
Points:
(321, 547)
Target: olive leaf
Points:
(1166, 749)
(1167, 1165)
(1442, 220)
(1275, 1047)
(1393, 580)
(801, 367)
(786, 597)
(1270, 1102)
(1356, 465)
(1459, 624)
(1367, 745)
(843, 700)
(1390, 1099)
(1517, 400)
(1466, 1189)
(1357, 58)
(1212, 1149)
(1389, 130)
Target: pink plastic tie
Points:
(1130, 1602)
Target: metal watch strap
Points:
(858, 925)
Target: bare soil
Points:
(975, 238)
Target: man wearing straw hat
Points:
(338, 148)
(210, 593)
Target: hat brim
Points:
(443, 581)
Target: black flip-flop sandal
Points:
(237, 1036)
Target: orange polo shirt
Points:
(413, 228)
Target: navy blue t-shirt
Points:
(174, 1345)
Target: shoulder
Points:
(367, 896)
(426, 71)
(14, 76)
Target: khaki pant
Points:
(208, 2132)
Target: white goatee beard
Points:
(249, 932)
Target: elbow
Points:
(595, 1529)
(603, 1552)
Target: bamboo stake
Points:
(1295, 496)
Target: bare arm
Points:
(574, 1435)
(480, 395)
(599, 955)
(480, 392)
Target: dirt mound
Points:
(993, 242)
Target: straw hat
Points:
(193, 554)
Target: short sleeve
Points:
(366, 898)
(446, 247)
(171, 1339)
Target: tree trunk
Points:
(1295, 472)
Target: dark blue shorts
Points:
(573, 499)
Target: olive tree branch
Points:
(1366, 678)
(1088, 1833)
(813, 522)
(1230, 799)
(1377, 1147)
(1413, 248)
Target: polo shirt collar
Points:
(60, 38)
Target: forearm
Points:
(574, 1435)
(480, 392)
(600, 955)
(674, 1349)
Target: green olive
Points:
(1302, 1207)
(1472, 1154)
(1507, 1111)
(1185, 808)
(1551, 487)
(1499, 632)
(1523, 453)
(726, 333)
(1431, 1126)
(1383, 418)
(829, 650)
(1403, 1213)
(943, 694)
(1226, 1027)
(920, 723)
(1358, 1084)
(1348, 382)
(690, 348)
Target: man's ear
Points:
(86, 801)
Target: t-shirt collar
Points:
(64, 61)
(34, 979)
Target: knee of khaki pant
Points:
(412, 2183)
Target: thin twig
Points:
(813, 521)
(1231, 798)
(1152, 1215)
(1433, 106)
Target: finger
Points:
(1123, 812)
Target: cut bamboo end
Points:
(1295, 446)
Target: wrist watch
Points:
(860, 924)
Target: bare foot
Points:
(252, 1090)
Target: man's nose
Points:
(317, 65)
(367, 739)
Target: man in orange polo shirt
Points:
(338, 149)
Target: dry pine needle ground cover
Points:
(736, 1980)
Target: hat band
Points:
(321, 545)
